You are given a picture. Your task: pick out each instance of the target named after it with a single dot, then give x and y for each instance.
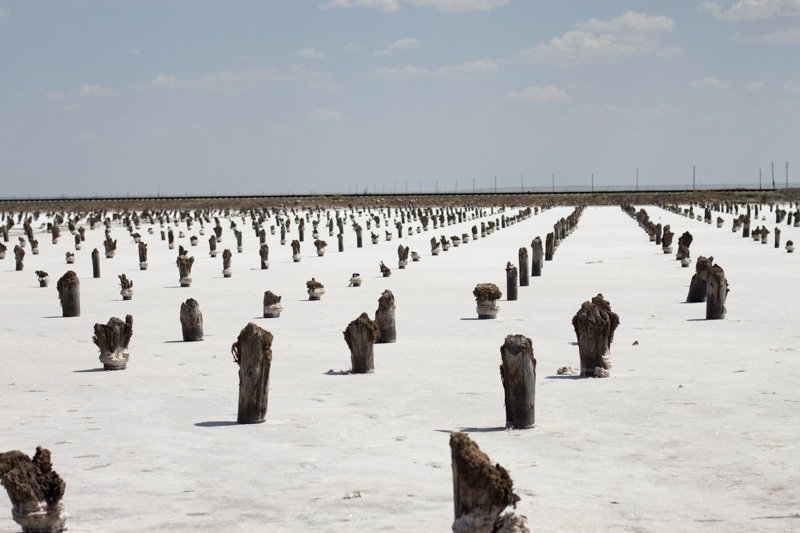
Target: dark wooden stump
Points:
(697, 287)
(481, 491)
(777, 237)
(113, 338)
(272, 305)
(252, 351)
(360, 336)
(69, 292)
(185, 270)
(43, 277)
(226, 263)
(19, 256)
(35, 490)
(142, 255)
(384, 316)
(340, 239)
(518, 374)
(295, 251)
(126, 287)
(594, 325)
(263, 253)
(486, 296)
(524, 279)
(386, 271)
(716, 293)
(511, 282)
(95, 263)
(548, 246)
(191, 321)
(537, 257)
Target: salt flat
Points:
(695, 430)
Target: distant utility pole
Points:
(637, 179)
(473, 185)
(521, 184)
(694, 176)
(772, 163)
(456, 185)
(759, 179)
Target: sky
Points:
(147, 97)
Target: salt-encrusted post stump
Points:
(296, 251)
(95, 263)
(226, 263)
(666, 240)
(594, 325)
(340, 239)
(386, 271)
(69, 292)
(402, 256)
(212, 246)
(789, 246)
(126, 287)
(518, 374)
(360, 336)
(486, 296)
(43, 277)
(537, 257)
(435, 246)
(112, 339)
(321, 246)
(252, 351)
(684, 241)
(384, 316)
(191, 321)
(185, 263)
(777, 237)
(263, 253)
(697, 287)
(315, 289)
(142, 255)
(548, 246)
(524, 279)
(35, 490)
(482, 492)
(511, 282)
(272, 305)
(19, 256)
(716, 293)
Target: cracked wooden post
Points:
(238, 235)
(191, 321)
(113, 339)
(524, 279)
(697, 287)
(537, 257)
(518, 375)
(777, 237)
(359, 239)
(386, 271)
(486, 296)
(716, 293)
(435, 246)
(483, 494)
(212, 246)
(185, 263)
(684, 241)
(110, 247)
(272, 305)
(77, 242)
(142, 255)
(126, 287)
(19, 256)
(548, 246)
(263, 253)
(384, 316)
(360, 336)
(252, 351)
(321, 246)
(43, 278)
(226, 263)
(594, 325)
(315, 289)
(666, 240)
(402, 256)
(36, 491)
(511, 282)
(296, 251)
(69, 293)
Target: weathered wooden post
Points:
(340, 239)
(212, 246)
(511, 282)
(252, 351)
(95, 263)
(666, 240)
(19, 256)
(283, 234)
(764, 234)
(384, 316)
(360, 336)
(594, 325)
(386, 271)
(126, 287)
(518, 375)
(789, 246)
(70, 258)
(112, 339)
(684, 241)
(296, 251)
(69, 293)
(716, 293)
(34, 247)
(321, 246)
(36, 491)
(43, 277)
(415, 257)
(374, 237)
(110, 246)
(191, 321)
(402, 256)
(435, 246)
(697, 287)
(77, 242)
(524, 280)
(746, 226)
(142, 255)
(549, 246)
(359, 240)
(355, 280)
(185, 263)
(3, 249)
(315, 289)
(777, 237)
(238, 235)
(272, 305)
(226, 263)
(482, 492)
(486, 296)
(537, 257)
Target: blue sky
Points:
(199, 96)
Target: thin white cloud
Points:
(779, 36)
(549, 93)
(481, 66)
(134, 51)
(747, 10)
(234, 80)
(461, 70)
(441, 5)
(325, 115)
(629, 35)
(308, 53)
(709, 83)
(407, 72)
(381, 5)
(755, 86)
(88, 89)
(406, 43)
(791, 87)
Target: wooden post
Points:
(185, 263)
(112, 339)
(594, 325)
(272, 305)
(110, 246)
(226, 263)
(716, 293)
(69, 292)
(19, 256)
(126, 287)
(386, 271)
(548, 247)
(315, 289)
(684, 241)
(486, 296)
(191, 321)
(142, 255)
(43, 277)
(340, 239)
(384, 316)
(666, 240)
(296, 251)
(36, 491)
(359, 241)
(511, 282)
(481, 491)
(524, 280)
(518, 375)
(697, 287)
(263, 253)
(777, 237)
(360, 336)
(321, 246)
(402, 256)
(537, 257)
(252, 351)
(212, 246)
(95, 263)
